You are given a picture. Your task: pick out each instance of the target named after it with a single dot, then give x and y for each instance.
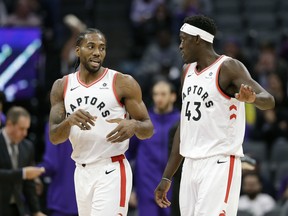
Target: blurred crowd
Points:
(152, 54)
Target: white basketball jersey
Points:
(212, 123)
(99, 99)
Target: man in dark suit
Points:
(17, 189)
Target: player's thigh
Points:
(221, 186)
(112, 193)
(234, 194)
(188, 189)
(84, 183)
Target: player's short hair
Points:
(15, 112)
(203, 22)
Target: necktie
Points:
(14, 160)
(14, 156)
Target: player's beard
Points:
(92, 70)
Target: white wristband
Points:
(166, 179)
(23, 173)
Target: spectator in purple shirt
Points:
(151, 155)
(59, 167)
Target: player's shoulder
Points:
(58, 88)
(60, 82)
(230, 63)
(185, 67)
(126, 86)
(232, 68)
(125, 79)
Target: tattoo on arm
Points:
(57, 112)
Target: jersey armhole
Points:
(114, 90)
(218, 86)
(65, 85)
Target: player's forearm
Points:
(264, 101)
(175, 158)
(144, 129)
(59, 133)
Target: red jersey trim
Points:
(218, 86)
(200, 72)
(120, 159)
(65, 85)
(114, 90)
(223, 213)
(230, 176)
(97, 80)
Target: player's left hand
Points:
(125, 129)
(246, 94)
(160, 194)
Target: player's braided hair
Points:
(202, 22)
(80, 39)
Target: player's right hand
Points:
(246, 94)
(33, 172)
(160, 194)
(83, 119)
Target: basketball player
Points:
(215, 88)
(89, 107)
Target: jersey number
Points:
(197, 109)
